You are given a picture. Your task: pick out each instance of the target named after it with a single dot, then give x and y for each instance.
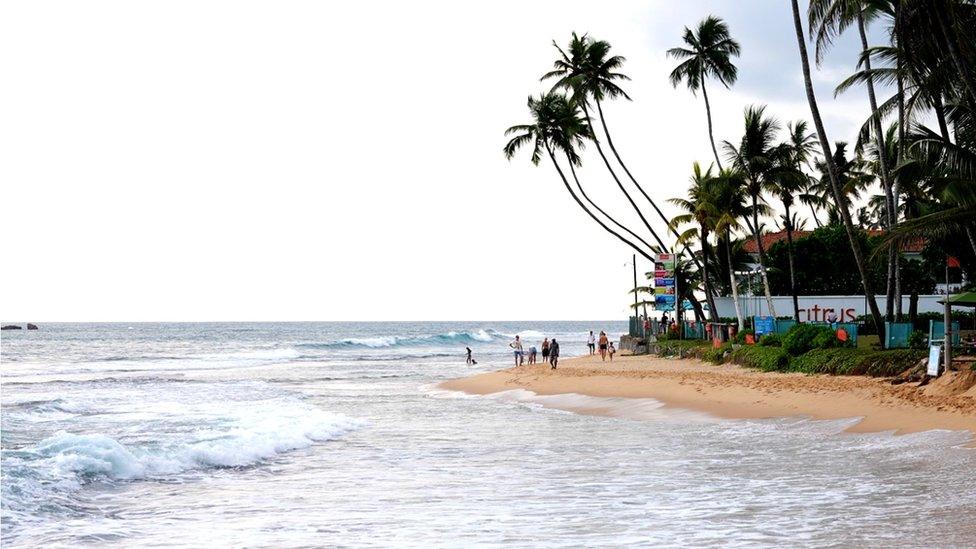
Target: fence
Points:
(937, 332)
(896, 334)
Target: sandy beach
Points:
(731, 391)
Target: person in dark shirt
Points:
(553, 353)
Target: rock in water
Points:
(10, 327)
(31, 326)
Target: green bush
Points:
(676, 347)
(771, 340)
(917, 340)
(767, 359)
(740, 337)
(803, 337)
(844, 361)
(716, 355)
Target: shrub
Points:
(771, 340)
(675, 347)
(767, 359)
(826, 339)
(917, 340)
(841, 361)
(803, 337)
(740, 337)
(716, 355)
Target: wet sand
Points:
(731, 391)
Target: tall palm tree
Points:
(832, 172)
(587, 69)
(755, 158)
(730, 202)
(786, 181)
(708, 53)
(829, 18)
(558, 128)
(701, 209)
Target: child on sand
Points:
(611, 350)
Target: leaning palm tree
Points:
(701, 209)
(587, 69)
(755, 158)
(557, 127)
(832, 172)
(708, 54)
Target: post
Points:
(678, 311)
(640, 325)
(948, 322)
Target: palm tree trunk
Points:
(613, 149)
(972, 238)
(708, 114)
(732, 281)
(599, 209)
(636, 248)
(964, 68)
(762, 258)
(832, 172)
(789, 253)
(891, 218)
(900, 157)
(939, 107)
(709, 295)
(619, 184)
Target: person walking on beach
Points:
(611, 351)
(553, 353)
(470, 359)
(545, 350)
(591, 343)
(603, 345)
(517, 347)
(532, 354)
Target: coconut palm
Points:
(832, 171)
(557, 127)
(787, 180)
(587, 69)
(708, 53)
(702, 210)
(755, 158)
(730, 202)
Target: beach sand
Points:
(730, 391)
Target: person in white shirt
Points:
(591, 343)
(517, 346)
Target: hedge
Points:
(767, 359)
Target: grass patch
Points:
(767, 359)
(679, 347)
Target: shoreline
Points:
(734, 392)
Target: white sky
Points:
(312, 160)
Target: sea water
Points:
(335, 434)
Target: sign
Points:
(935, 352)
(664, 281)
(764, 324)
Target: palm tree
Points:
(730, 202)
(702, 210)
(827, 19)
(587, 69)
(557, 127)
(708, 53)
(786, 181)
(832, 172)
(755, 159)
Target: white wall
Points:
(815, 308)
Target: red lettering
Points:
(816, 312)
(849, 313)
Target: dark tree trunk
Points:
(762, 256)
(599, 209)
(832, 172)
(789, 253)
(709, 294)
(708, 114)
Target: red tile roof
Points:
(912, 245)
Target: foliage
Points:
(855, 362)
(771, 340)
(740, 337)
(917, 339)
(803, 337)
(675, 347)
(767, 359)
(716, 355)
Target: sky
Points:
(309, 160)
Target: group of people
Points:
(606, 346)
(550, 352)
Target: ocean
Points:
(335, 434)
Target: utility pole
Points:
(947, 320)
